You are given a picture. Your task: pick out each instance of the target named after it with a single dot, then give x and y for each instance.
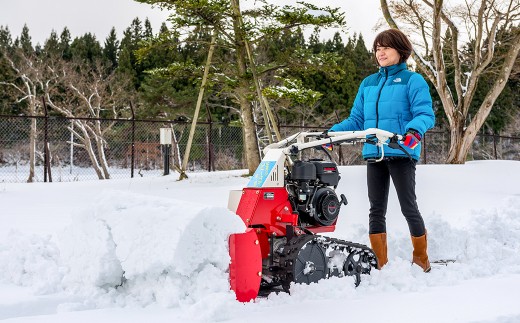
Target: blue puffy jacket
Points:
(394, 99)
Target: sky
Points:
(99, 16)
(63, 254)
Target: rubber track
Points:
(291, 251)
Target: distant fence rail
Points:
(133, 148)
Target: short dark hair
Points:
(395, 39)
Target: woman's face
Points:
(387, 56)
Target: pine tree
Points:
(86, 48)
(64, 45)
(128, 65)
(148, 32)
(51, 45)
(25, 42)
(110, 50)
(6, 73)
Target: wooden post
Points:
(212, 46)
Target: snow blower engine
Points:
(285, 206)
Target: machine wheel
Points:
(356, 265)
(311, 263)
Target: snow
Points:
(65, 248)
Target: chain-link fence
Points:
(87, 149)
(129, 148)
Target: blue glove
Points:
(412, 139)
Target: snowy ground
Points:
(64, 248)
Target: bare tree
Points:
(33, 78)
(89, 94)
(492, 29)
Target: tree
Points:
(25, 42)
(128, 65)
(170, 73)
(64, 44)
(493, 31)
(111, 49)
(239, 31)
(32, 77)
(6, 73)
(51, 45)
(86, 48)
(87, 95)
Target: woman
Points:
(399, 101)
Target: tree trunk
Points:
(86, 141)
(456, 154)
(102, 157)
(100, 144)
(250, 137)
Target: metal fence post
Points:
(210, 141)
(424, 149)
(132, 154)
(495, 145)
(46, 157)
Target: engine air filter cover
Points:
(327, 172)
(303, 171)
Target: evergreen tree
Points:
(51, 46)
(64, 44)
(163, 29)
(111, 49)
(334, 45)
(148, 32)
(86, 48)
(315, 44)
(169, 87)
(25, 42)
(128, 65)
(6, 73)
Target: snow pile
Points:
(128, 249)
(30, 260)
(136, 250)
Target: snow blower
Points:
(286, 205)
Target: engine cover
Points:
(327, 172)
(326, 205)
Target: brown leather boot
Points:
(378, 242)
(420, 256)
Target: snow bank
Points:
(128, 249)
(137, 250)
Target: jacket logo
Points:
(397, 80)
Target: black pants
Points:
(402, 172)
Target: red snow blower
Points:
(285, 206)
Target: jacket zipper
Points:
(378, 96)
(377, 102)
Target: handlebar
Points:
(379, 135)
(374, 136)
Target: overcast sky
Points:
(99, 16)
